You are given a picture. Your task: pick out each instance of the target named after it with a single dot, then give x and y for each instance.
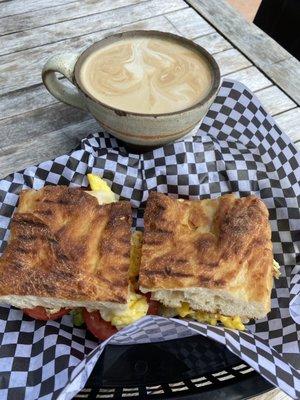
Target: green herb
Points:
(77, 316)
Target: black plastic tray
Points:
(175, 369)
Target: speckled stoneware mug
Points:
(147, 88)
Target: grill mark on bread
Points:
(116, 283)
(17, 265)
(63, 257)
(167, 273)
(49, 288)
(65, 232)
(209, 281)
(45, 212)
(116, 299)
(29, 222)
(163, 231)
(57, 201)
(124, 240)
(28, 238)
(212, 264)
(156, 236)
(22, 250)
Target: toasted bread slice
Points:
(216, 255)
(66, 250)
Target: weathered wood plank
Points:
(213, 43)
(231, 60)
(289, 123)
(39, 122)
(69, 11)
(85, 25)
(286, 74)
(15, 7)
(274, 100)
(189, 23)
(23, 154)
(24, 100)
(262, 50)
(251, 77)
(23, 69)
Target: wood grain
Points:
(24, 100)
(286, 74)
(88, 24)
(261, 49)
(18, 156)
(39, 122)
(274, 100)
(189, 23)
(213, 43)
(250, 77)
(15, 7)
(289, 123)
(68, 11)
(23, 69)
(231, 60)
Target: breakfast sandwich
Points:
(70, 249)
(208, 259)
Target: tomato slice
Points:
(153, 307)
(153, 304)
(95, 324)
(41, 313)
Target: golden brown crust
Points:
(218, 244)
(64, 245)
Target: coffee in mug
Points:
(148, 75)
(147, 88)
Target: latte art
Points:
(146, 75)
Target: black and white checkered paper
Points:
(237, 149)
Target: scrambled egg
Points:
(276, 269)
(210, 318)
(137, 308)
(100, 190)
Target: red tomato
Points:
(41, 313)
(153, 304)
(95, 324)
(153, 307)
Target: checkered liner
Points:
(238, 149)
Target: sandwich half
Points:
(68, 250)
(65, 250)
(208, 259)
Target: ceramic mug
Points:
(131, 127)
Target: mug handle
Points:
(64, 64)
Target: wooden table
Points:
(34, 126)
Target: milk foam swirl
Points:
(146, 75)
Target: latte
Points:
(147, 75)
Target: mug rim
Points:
(215, 70)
